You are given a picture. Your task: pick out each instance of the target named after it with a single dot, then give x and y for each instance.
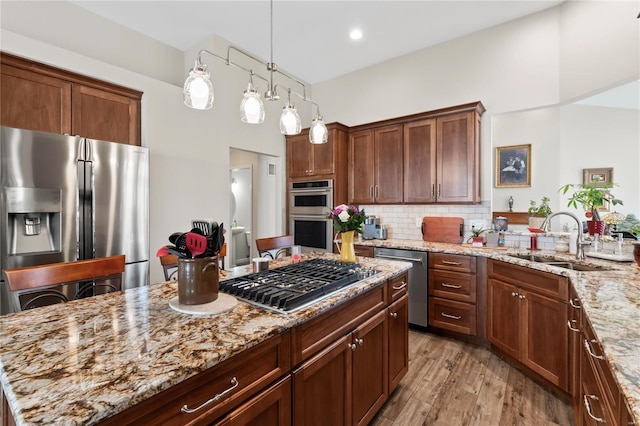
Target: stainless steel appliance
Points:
(309, 204)
(418, 281)
(373, 229)
(293, 287)
(66, 198)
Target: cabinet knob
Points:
(352, 346)
(522, 296)
(514, 294)
(393, 315)
(360, 342)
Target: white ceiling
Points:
(311, 38)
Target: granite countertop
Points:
(86, 360)
(610, 299)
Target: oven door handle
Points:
(310, 191)
(409, 259)
(309, 217)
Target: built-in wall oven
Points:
(309, 204)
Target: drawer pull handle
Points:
(403, 285)
(569, 324)
(450, 285)
(455, 317)
(448, 262)
(217, 397)
(574, 304)
(588, 407)
(588, 347)
(394, 315)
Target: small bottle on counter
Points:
(501, 239)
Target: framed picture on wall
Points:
(598, 177)
(513, 166)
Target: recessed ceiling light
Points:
(355, 34)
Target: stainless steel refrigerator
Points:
(65, 198)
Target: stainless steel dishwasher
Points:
(418, 281)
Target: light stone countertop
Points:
(83, 361)
(610, 299)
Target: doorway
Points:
(241, 214)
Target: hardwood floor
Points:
(455, 383)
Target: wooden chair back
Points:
(169, 264)
(47, 282)
(281, 244)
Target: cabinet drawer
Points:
(253, 369)
(452, 315)
(397, 287)
(594, 354)
(540, 282)
(312, 336)
(365, 251)
(452, 285)
(452, 262)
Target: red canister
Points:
(534, 242)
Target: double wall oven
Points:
(309, 204)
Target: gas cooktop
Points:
(293, 287)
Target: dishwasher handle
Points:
(409, 259)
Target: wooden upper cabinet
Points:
(458, 158)
(39, 97)
(375, 165)
(420, 161)
(361, 175)
(34, 101)
(107, 116)
(306, 159)
(388, 165)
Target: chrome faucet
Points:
(580, 242)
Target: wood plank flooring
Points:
(454, 383)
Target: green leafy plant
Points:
(591, 197)
(477, 232)
(540, 210)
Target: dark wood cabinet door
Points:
(361, 175)
(34, 101)
(398, 320)
(457, 158)
(503, 317)
(322, 387)
(322, 157)
(298, 153)
(271, 407)
(545, 337)
(369, 368)
(420, 161)
(98, 114)
(388, 165)
(594, 409)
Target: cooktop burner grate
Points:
(296, 286)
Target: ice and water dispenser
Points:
(33, 220)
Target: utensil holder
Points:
(198, 280)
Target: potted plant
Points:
(592, 197)
(476, 238)
(538, 213)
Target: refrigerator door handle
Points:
(85, 205)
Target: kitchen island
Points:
(85, 361)
(610, 300)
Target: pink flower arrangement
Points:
(347, 218)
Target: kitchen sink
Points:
(565, 264)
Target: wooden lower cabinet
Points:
(363, 251)
(347, 383)
(272, 407)
(398, 320)
(574, 325)
(527, 325)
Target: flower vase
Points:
(347, 251)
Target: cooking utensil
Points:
(162, 251)
(173, 237)
(197, 231)
(179, 253)
(220, 240)
(196, 243)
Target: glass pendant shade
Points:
(198, 90)
(251, 107)
(290, 123)
(318, 133)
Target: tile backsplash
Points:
(400, 220)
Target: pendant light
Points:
(290, 123)
(198, 90)
(198, 93)
(251, 107)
